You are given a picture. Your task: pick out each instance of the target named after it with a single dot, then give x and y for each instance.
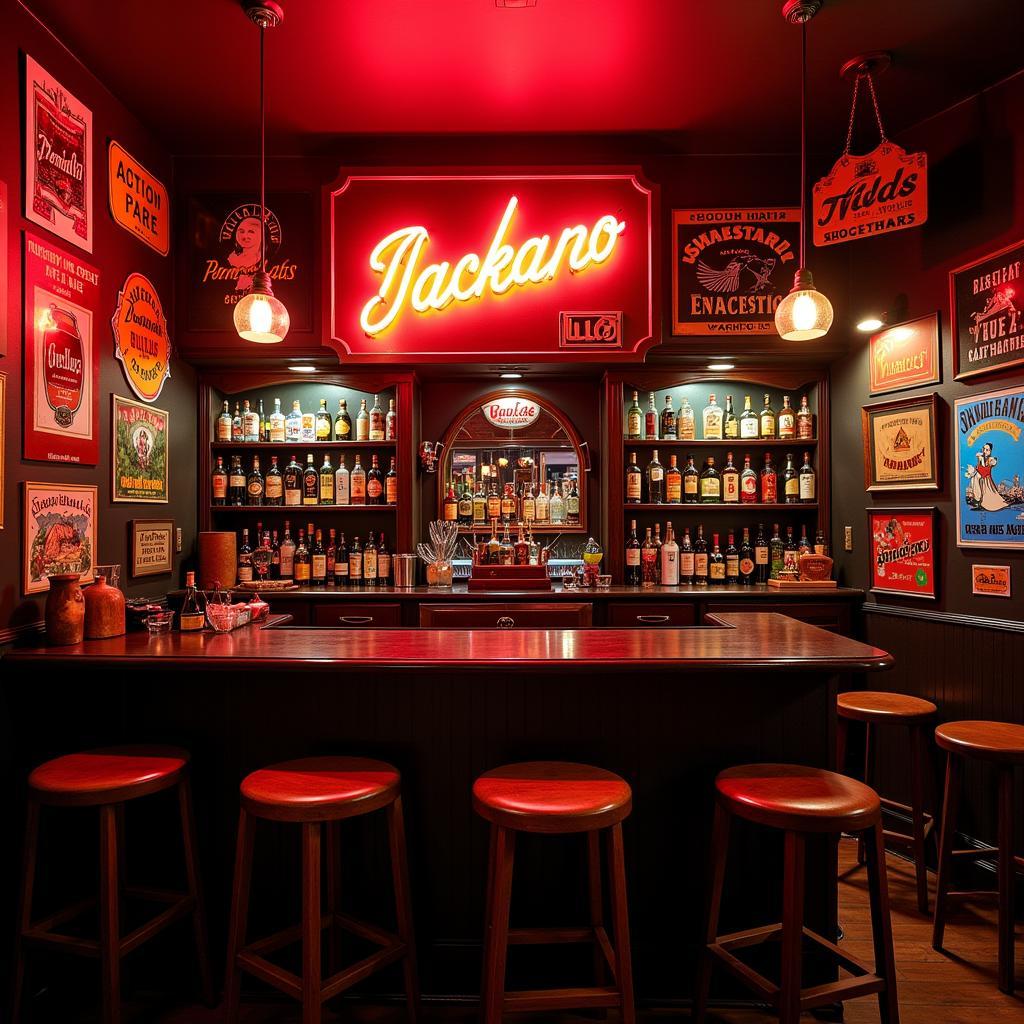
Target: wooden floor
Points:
(957, 987)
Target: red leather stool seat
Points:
(552, 796)
(796, 797)
(879, 706)
(320, 788)
(108, 775)
(991, 741)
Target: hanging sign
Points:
(138, 200)
(441, 266)
(902, 543)
(141, 342)
(513, 413)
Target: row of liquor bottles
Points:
(657, 485)
(251, 424)
(719, 424)
(503, 550)
(476, 506)
(671, 563)
(295, 485)
(312, 561)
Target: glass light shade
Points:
(260, 317)
(805, 313)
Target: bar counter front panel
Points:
(665, 708)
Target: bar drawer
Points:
(498, 615)
(350, 615)
(644, 615)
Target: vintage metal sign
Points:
(138, 199)
(905, 355)
(511, 412)
(141, 453)
(465, 265)
(141, 342)
(884, 190)
(731, 268)
(902, 544)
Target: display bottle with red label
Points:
(634, 481)
(376, 420)
(747, 567)
(748, 483)
(769, 482)
(391, 484)
(374, 483)
(391, 422)
(787, 420)
(219, 482)
(357, 484)
(673, 483)
(805, 421)
(649, 561)
(716, 562)
(730, 481)
(633, 575)
(732, 560)
(651, 420)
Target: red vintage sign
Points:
(432, 267)
(902, 545)
(905, 355)
(881, 191)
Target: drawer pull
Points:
(356, 620)
(506, 622)
(652, 618)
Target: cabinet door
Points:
(831, 615)
(540, 615)
(350, 615)
(648, 615)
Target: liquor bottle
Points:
(466, 503)
(673, 483)
(236, 482)
(808, 482)
(521, 550)
(544, 504)
(700, 558)
(805, 421)
(342, 422)
(732, 560)
(219, 483)
(572, 506)
(530, 504)
(493, 545)
(310, 483)
(293, 483)
(790, 552)
(767, 427)
(716, 563)
(276, 430)
(307, 431)
(508, 505)
(362, 422)
(556, 506)
(655, 480)
(355, 564)
(479, 503)
(804, 547)
(273, 484)
(668, 421)
(191, 618)
(370, 561)
(302, 566)
(450, 508)
(712, 420)
(686, 422)
(391, 423)
(287, 553)
(634, 419)
(245, 559)
(747, 568)
(710, 483)
(730, 481)
(493, 501)
(634, 478)
(649, 561)
(657, 544)
(669, 559)
(730, 425)
(769, 482)
(332, 555)
(748, 483)
(686, 558)
(341, 482)
(327, 481)
(691, 482)
(383, 562)
(506, 553)
(790, 482)
(275, 557)
(293, 423)
(237, 430)
(374, 484)
(391, 484)
(264, 425)
(318, 561)
(787, 420)
(323, 422)
(376, 427)
(250, 423)
(534, 548)
(762, 559)
(749, 427)
(357, 484)
(222, 427)
(651, 420)
(341, 563)
(775, 552)
(632, 570)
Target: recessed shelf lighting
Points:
(302, 369)
(511, 376)
(721, 366)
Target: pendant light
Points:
(260, 316)
(805, 313)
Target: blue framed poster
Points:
(990, 470)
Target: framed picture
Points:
(3, 269)
(58, 158)
(902, 542)
(731, 268)
(901, 449)
(905, 355)
(58, 531)
(150, 547)
(61, 371)
(990, 580)
(990, 470)
(139, 462)
(986, 308)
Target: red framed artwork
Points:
(901, 542)
(3, 268)
(905, 355)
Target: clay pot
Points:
(104, 610)
(65, 609)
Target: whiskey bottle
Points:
(669, 559)
(302, 566)
(341, 562)
(264, 425)
(762, 558)
(649, 561)
(746, 559)
(376, 422)
(700, 558)
(219, 483)
(651, 420)
(686, 558)
(787, 420)
(673, 483)
(450, 508)
(391, 422)
(632, 571)
(716, 563)
(191, 618)
(323, 422)
(222, 426)
(493, 501)
(342, 422)
(355, 563)
(275, 556)
(287, 553)
(808, 488)
(237, 430)
(572, 506)
(341, 482)
(506, 553)
(245, 559)
(391, 484)
(730, 481)
(276, 430)
(769, 482)
(494, 545)
(250, 423)
(293, 483)
(308, 430)
(790, 552)
(668, 421)
(534, 548)
(530, 504)
(544, 503)
(775, 552)
(691, 482)
(293, 423)
(749, 427)
(466, 502)
(383, 562)
(712, 420)
(370, 561)
(318, 562)
(634, 478)
(363, 422)
(556, 506)
(804, 547)
(357, 484)
(820, 547)
(634, 419)
(521, 550)
(236, 481)
(768, 419)
(657, 544)
(480, 505)
(327, 481)
(310, 483)
(805, 421)
(508, 505)
(686, 422)
(790, 482)
(748, 483)
(332, 554)
(732, 560)
(655, 480)
(374, 484)
(730, 425)
(710, 483)
(273, 484)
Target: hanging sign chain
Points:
(853, 110)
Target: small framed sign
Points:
(901, 445)
(905, 355)
(140, 459)
(901, 542)
(58, 531)
(990, 580)
(151, 547)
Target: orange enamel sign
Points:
(138, 200)
(141, 341)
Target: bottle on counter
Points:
(657, 544)
(700, 558)
(776, 549)
(383, 562)
(649, 561)
(287, 553)
(746, 566)
(219, 483)
(341, 562)
(370, 561)
(686, 558)
(716, 563)
(191, 618)
(355, 563)
(245, 559)
(332, 554)
(318, 561)
(762, 556)
(302, 566)
(632, 569)
(669, 559)
(634, 419)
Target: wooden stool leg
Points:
(881, 925)
(918, 755)
(403, 908)
(311, 918)
(792, 928)
(842, 742)
(869, 764)
(195, 889)
(333, 835)
(950, 801)
(499, 898)
(239, 915)
(1007, 880)
(28, 877)
(596, 903)
(110, 937)
(719, 853)
(620, 920)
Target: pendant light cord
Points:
(263, 162)
(803, 145)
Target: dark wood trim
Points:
(26, 631)
(949, 618)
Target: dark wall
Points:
(115, 254)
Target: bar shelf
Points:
(738, 506)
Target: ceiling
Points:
(714, 75)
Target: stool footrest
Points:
(531, 1000)
(184, 905)
(595, 934)
(845, 988)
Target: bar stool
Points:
(800, 801)
(316, 792)
(556, 798)
(913, 713)
(1002, 744)
(107, 779)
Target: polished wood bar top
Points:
(732, 640)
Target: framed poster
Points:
(902, 548)
(3, 268)
(150, 547)
(139, 463)
(58, 531)
(58, 158)
(990, 580)
(731, 268)
(990, 469)
(901, 449)
(986, 308)
(141, 341)
(138, 199)
(906, 355)
(224, 229)
(62, 362)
